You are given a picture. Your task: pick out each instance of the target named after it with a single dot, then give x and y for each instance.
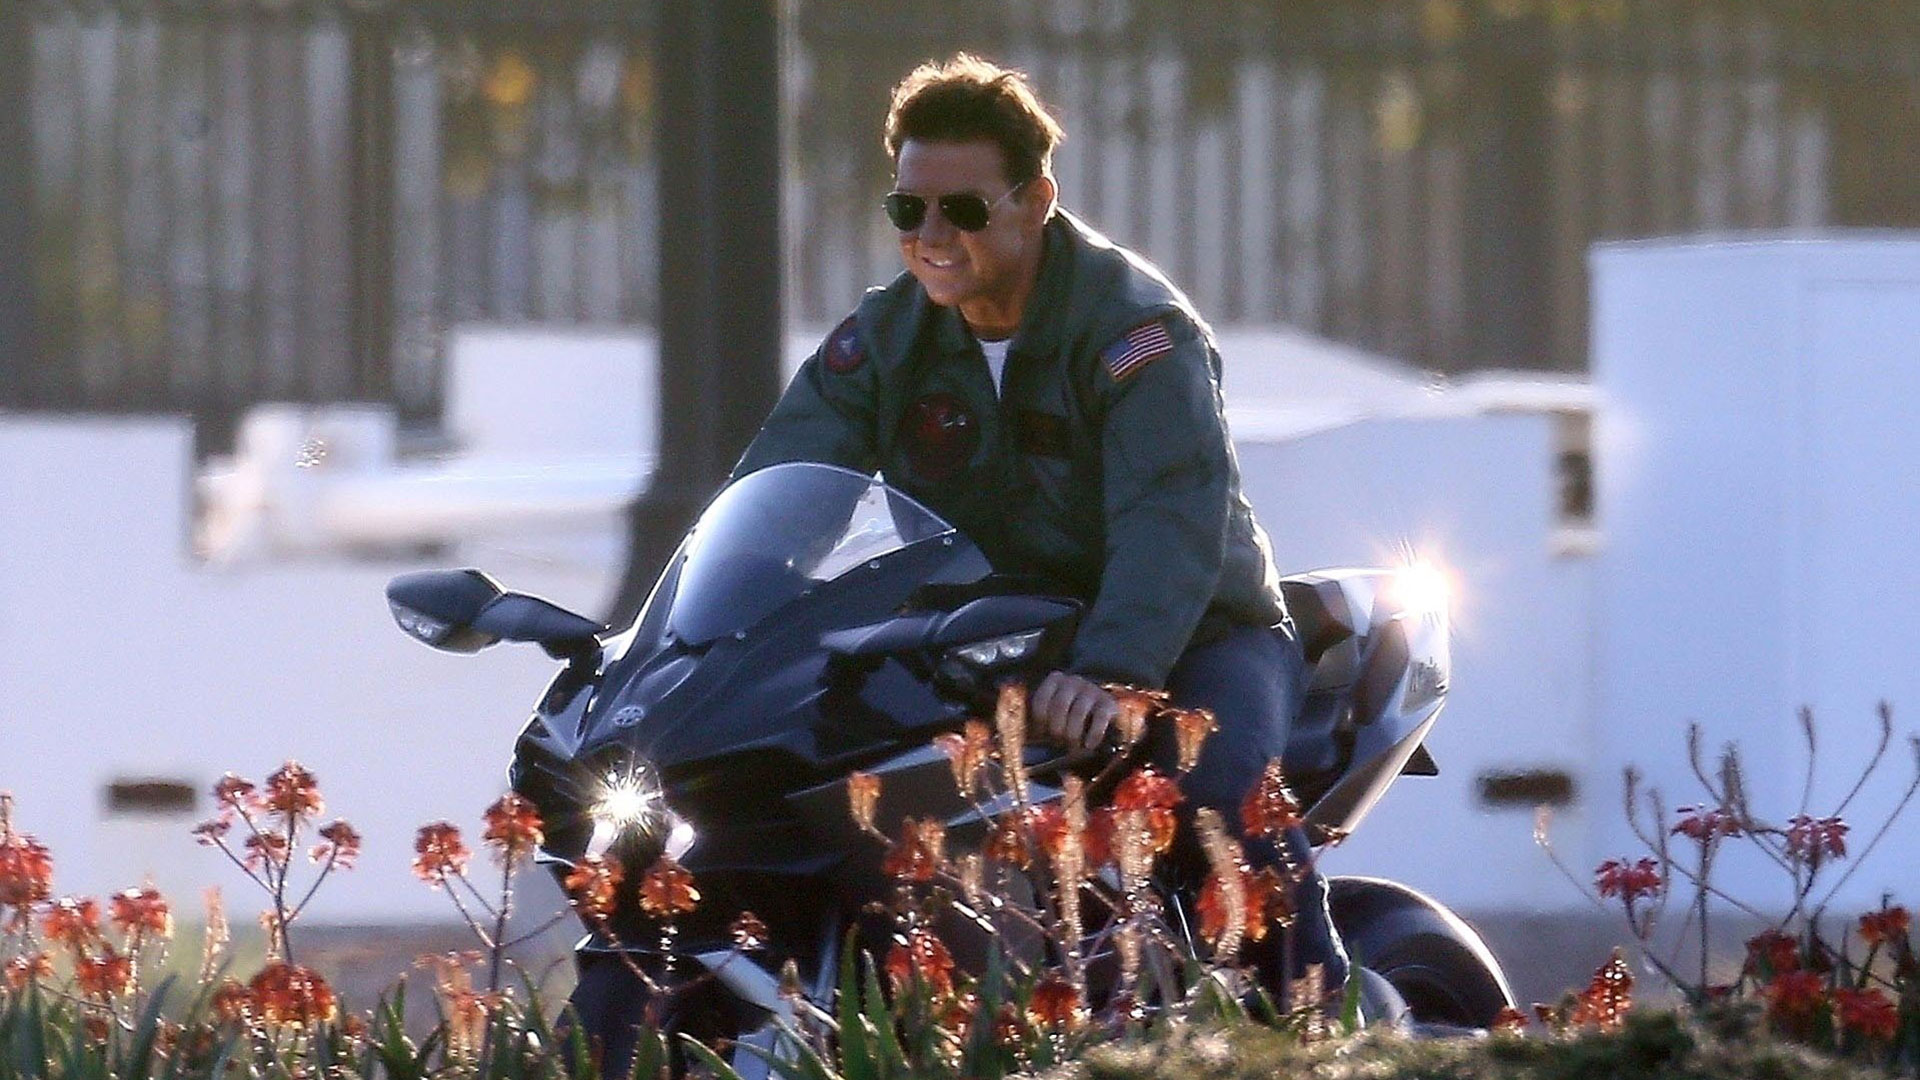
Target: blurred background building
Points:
(213, 205)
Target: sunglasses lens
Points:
(905, 211)
(967, 212)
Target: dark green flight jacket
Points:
(1103, 465)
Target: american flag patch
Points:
(1136, 349)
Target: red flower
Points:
(1813, 839)
(749, 933)
(266, 849)
(72, 921)
(918, 854)
(513, 828)
(1704, 823)
(139, 912)
(26, 867)
(1056, 1004)
(920, 954)
(1135, 706)
(292, 792)
(210, 833)
(287, 994)
(1605, 1001)
(667, 889)
(21, 970)
(234, 793)
(1616, 877)
(1145, 789)
(1509, 1020)
(439, 853)
(593, 885)
(1869, 1012)
(1794, 996)
(105, 974)
(1771, 952)
(231, 1002)
(1270, 808)
(1008, 842)
(1254, 896)
(342, 845)
(968, 751)
(1190, 730)
(1880, 927)
(863, 797)
(1156, 795)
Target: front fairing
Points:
(736, 723)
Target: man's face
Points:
(986, 273)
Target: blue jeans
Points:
(1253, 680)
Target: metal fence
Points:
(280, 200)
(262, 202)
(1420, 177)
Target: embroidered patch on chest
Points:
(843, 348)
(1137, 348)
(940, 434)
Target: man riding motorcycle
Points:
(1056, 398)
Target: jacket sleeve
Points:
(1166, 477)
(827, 413)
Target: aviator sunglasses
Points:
(964, 210)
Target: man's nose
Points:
(935, 226)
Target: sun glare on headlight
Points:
(628, 802)
(1421, 587)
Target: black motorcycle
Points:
(815, 624)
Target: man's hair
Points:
(967, 99)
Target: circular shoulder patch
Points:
(844, 353)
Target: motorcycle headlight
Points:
(1422, 588)
(629, 799)
(1001, 650)
(631, 818)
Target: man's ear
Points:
(1041, 197)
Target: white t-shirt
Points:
(996, 354)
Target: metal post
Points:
(718, 78)
(17, 345)
(1508, 186)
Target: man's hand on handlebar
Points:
(1071, 711)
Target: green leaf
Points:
(857, 1061)
(145, 1033)
(711, 1060)
(893, 1060)
(810, 1066)
(649, 1055)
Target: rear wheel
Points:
(1437, 963)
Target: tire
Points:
(1439, 965)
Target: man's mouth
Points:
(940, 262)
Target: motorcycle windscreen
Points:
(776, 533)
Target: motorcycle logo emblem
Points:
(629, 715)
(940, 434)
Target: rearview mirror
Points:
(465, 611)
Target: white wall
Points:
(1475, 494)
(122, 657)
(1757, 491)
